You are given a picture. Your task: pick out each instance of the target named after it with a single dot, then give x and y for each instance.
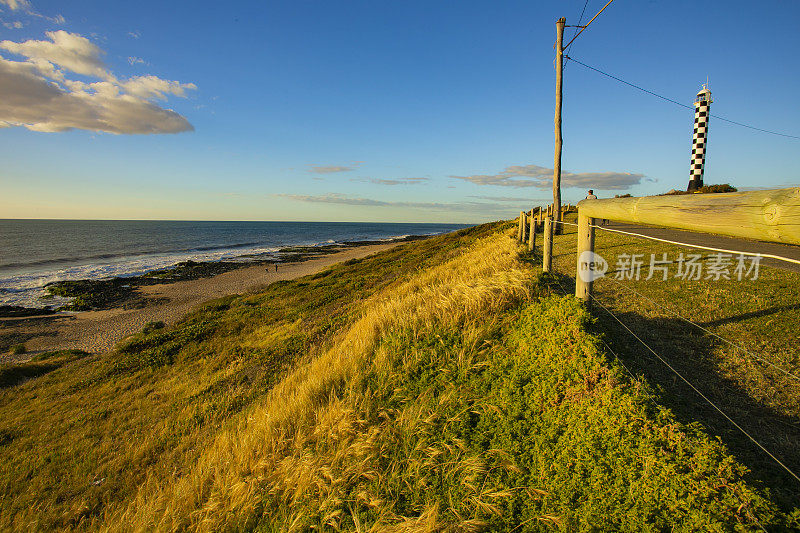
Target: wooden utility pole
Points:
(557, 157)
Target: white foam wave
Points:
(27, 288)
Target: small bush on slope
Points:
(453, 405)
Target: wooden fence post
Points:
(525, 228)
(585, 267)
(519, 226)
(532, 235)
(547, 249)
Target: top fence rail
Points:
(772, 215)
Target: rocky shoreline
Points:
(123, 292)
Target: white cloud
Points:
(135, 34)
(154, 87)
(67, 50)
(132, 60)
(38, 95)
(16, 25)
(542, 177)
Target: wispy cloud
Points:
(341, 199)
(332, 169)
(26, 7)
(399, 181)
(39, 94)
(515, 199)
(135, 34)
(541, 177)
(15, 25)
(132, 60)
(15, 5)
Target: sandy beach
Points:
(100, 331)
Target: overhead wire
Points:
(587, 24)
(580, 19)
(679, 103)
(569, 58)
(594, 299)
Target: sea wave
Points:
(23, 283)
(84, 258)
(27, 288)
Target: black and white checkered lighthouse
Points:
(702, 107)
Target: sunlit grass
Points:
(750, 384)
(439, 386)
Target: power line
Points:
(583, 11)
(628, 83)
(676, 102)
(587, 24)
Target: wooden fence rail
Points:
(772, 216)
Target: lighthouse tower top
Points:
(704, 96)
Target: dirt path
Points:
(100, 331)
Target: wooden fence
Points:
(537, 218)
(772, 216)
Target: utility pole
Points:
(557, 158)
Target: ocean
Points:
(36, 252)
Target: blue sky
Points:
(378, 111)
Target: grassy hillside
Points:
(744, 356)
(437, 386)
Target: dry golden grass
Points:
(439, 387)
(307, 439)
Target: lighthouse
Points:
(702, 106)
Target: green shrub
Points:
(152, 326)
(157, 347)
(723, 187)
(18, 349)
